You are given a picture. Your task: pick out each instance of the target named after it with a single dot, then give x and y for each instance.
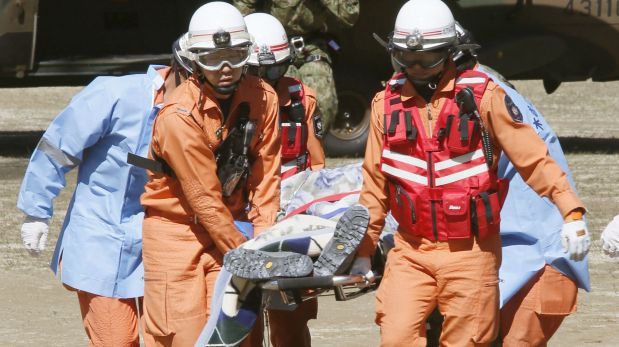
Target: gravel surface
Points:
(37, 311)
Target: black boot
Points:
(259, 265)
(339, 253)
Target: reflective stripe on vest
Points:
(439, 185)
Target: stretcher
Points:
(287, 293)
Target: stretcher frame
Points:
(292, 291)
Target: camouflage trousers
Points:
(318, 75)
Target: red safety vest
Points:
(440, 188)
(295, 157)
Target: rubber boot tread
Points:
(259, 265)
(340, 250)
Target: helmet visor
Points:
(214, 59)
(271, 72)
(425, 59)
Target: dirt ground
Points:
(37, 311)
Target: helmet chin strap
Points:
(430, 84)
(425, 88)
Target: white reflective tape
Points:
(407, 159)
(475, 170)
(445, 164)
(399, 81)
(56, 154)
(287, 124)
(471, 80)
(409, 176)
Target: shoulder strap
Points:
(477, 80)
(393, 103)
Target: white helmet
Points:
(270, 40)
(217, 25)
(424, 25)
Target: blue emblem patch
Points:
(513, 110)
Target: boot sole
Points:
(259, 265)
(340, 250)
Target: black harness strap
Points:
(411, 131)
(157, 165)
(487, 206)
(393, 124)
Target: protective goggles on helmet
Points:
(425, 59)
(272, 72)
(215, 59)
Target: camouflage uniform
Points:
(310, 19)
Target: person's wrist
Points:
(29, 219)
(575, 215)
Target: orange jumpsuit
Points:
(535, 313)
(188, 224)
(461, 276)
(289, 328)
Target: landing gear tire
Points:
(348, 132)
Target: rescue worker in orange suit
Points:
(301, 131)
(299, 115)
(192, 205)
(431, 159)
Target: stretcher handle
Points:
(313, 282)
(304, 283)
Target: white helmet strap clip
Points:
(221, 39)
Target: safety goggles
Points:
(425, 59)
(270, 72)
(215, 59)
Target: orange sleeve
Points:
(526, 151)
(264, 178)
(314, 146)
(181, 142)
(374, 193)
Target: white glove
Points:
(610, 238)
(575, 239)
(34, 234)
(363, 266)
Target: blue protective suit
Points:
(531, 225)
(101, 239)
